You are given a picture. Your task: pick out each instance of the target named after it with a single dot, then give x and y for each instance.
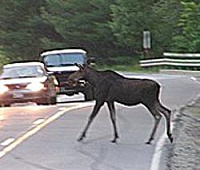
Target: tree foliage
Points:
(166, 15)
(129, 19)
(80, 24)
(188, 39)
(105, 28)
(18, 28)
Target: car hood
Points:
(66, 68)
(23, 80)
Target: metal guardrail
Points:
(181, 55)
(173, 60)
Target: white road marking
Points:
(1, 117)
(38, 121)
(37, 128)
(193, 78)
(155, 163)
(7, 142)
(157, 153)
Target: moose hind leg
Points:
(91, 118)
(113, 119)
(167, 114)
(157, 116)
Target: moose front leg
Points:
(91, 118)
(113, 120)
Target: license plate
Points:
(17, 95)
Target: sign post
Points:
(146, 42)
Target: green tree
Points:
(80, 24)
(130, 19)
(105, 28)
(31, 26)
(188, 37)
(19, 38)
(166, 15)
(167, 21)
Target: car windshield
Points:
(22, 72)
(65, 59)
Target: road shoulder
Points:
(184, 153)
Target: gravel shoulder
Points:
(184, 154)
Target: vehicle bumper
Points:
(70, 90)
(23, 96)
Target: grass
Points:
(126, 68)
(124, 64)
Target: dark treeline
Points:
(107, 29)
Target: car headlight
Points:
(35, 86)
(3, 89)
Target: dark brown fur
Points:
(112, 87)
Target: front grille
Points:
(16, 86)
(62, 76)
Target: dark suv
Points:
(62, 64)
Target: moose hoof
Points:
(80, 139)
(171, 138)
(114, 141)
(148, 143)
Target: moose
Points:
(110, 87)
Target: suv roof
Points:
(24, 64)
(64, 51)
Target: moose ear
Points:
(79, 66)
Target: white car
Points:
(24, 82)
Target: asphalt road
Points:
(44, 137)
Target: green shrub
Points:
(3, 60)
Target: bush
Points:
(3, 60)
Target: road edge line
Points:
(155, 162)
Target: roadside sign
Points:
(146, 40)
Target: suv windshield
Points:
(22, 72)
(65, 59)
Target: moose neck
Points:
(93, 77)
